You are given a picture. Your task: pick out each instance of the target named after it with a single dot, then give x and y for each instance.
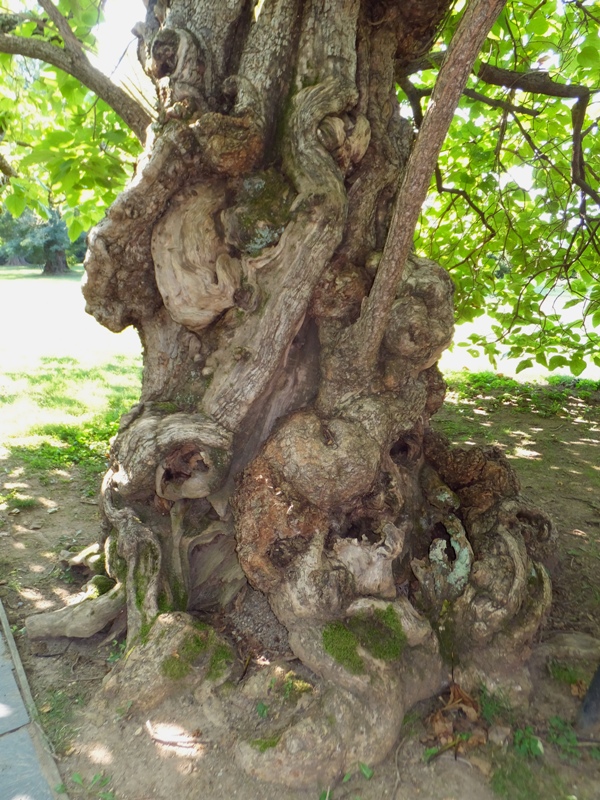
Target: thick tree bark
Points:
(56, 263)
(291, 341)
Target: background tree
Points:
(263, 252)
(66, 130)
(31, 240)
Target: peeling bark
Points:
(283, 434)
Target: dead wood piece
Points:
(78, 621)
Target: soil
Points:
(177, 750)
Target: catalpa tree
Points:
(264, 252)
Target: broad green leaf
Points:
(16, 203)
(524, 364)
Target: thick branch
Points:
(474, 26)
(6, 169)
(578, 162)
(79, 67)
(534, 81)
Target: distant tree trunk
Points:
(56, 262)
(283, 436)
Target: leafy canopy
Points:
(514, 210)
(64, 146)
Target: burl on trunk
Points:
(281, 439)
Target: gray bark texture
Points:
(283, 439)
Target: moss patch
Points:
(341, 645)
(266, 743)
(378, 631)
(220, 658)
(179, 664)
(174, 668)
(145, 629)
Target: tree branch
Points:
(439, 184)
(497, 103)
(473, 28)
(72, 43)
(80, 68)
(534, 81)
(577, 160)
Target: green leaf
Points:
(524, 364)
(588, 57)
(366, 770)
(77, 778)
(15, 203)
(556, 362)
(577, 365)
(262, 710)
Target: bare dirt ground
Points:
(178, 750)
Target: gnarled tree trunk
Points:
(283, 437)
(56, 262)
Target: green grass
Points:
(563, 673)
(56, 709)
(518, 778)
(561, 395)
(63, 414)
(494, 707)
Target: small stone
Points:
(53, 510)
(138, 731)
(14, 511)
(499, 734)
(36, 526)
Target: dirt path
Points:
(557, 461)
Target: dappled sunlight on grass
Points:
(48, 431)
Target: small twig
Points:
(401, 744)
(461, 193)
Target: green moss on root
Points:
(266, 743)
(179, 664)
(379, 632)
(341, 645)
(220, 658)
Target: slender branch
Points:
(533, 81)
(585, 10)
(465, 196)
(72, 43)
(494, 102)
(414, 96)
(473, 28)
(77, 65)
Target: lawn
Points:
(64, 380)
